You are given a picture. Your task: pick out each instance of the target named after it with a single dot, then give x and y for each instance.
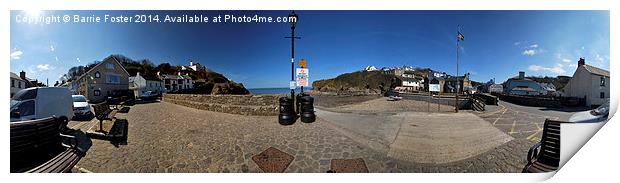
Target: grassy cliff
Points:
(355, 81)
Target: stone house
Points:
(102, 80)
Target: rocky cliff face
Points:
(356, 82)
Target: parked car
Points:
(148, 95)
(600, 114)
(41, 102)
(81, 106)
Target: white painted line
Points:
(499, 116)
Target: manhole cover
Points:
(273, 160)
(349, 166)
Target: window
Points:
(26, 108)
(113, 79)
(19, 84)
(109, 66)
(602, 81)
(602, 94)
(97, 93)
(97, 74)
(12, 83)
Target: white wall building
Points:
(177, 82)
(17, 84)
(589, 82)
(140, 84)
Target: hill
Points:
(359, 81)
(206, 82)
(559, 82)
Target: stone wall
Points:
(464, 102)
(532, 101)
(254, 105)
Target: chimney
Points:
(22, 75)
(521, 75)
(179, 73)
(581, 61)
(137, 73)
(191, 63)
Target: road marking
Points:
(500, 116)
(534, 136)
(494, 112)
(512, 130)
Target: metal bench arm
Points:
(533, 153)
(73, 141)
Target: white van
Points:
(41, 102)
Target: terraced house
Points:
(102, 80)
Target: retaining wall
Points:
(254, 105)
(463, 101)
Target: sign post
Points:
(302, 74)
(432, 88)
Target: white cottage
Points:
(589, 82)
(141, 84)
(17, 83)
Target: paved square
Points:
(164, 137)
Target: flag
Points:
(460, 37)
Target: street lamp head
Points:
(292, 19)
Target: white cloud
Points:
(534, 46)
(56, 58)
(530, 52)
(78, 59)
(52, 48)
(16, 55)
(556, 69)
(517, 43)
(44, 67)
(566, 60)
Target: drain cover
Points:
(349, 166)
(273, 160)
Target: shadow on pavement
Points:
(117, 134)
(83, 118)
(566, 109)
(146, 101)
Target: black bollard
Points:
(287, 114)
(307, 109)
(298, 102)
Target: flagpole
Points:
(456, 103)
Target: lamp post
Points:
(287, 115)
(293, 18)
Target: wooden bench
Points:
(39, 146)
(103, 112)
(545, 155)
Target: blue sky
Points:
(497, 44)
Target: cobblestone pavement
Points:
(164, 137)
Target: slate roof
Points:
(596, 70)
